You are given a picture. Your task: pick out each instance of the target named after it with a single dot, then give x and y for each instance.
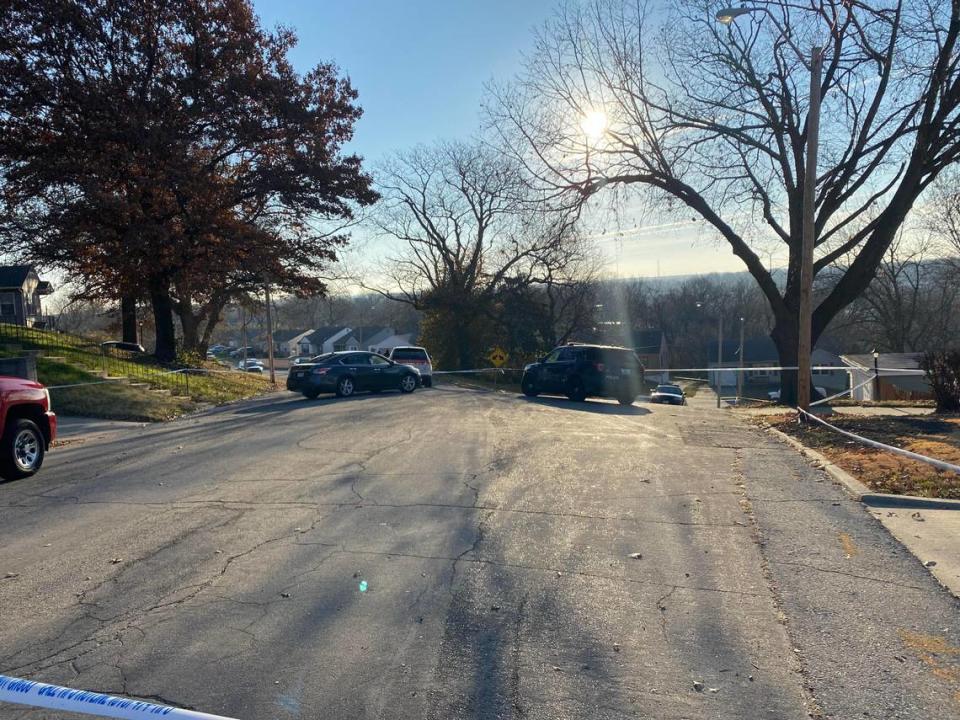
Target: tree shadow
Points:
(590, 406)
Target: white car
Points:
(416, 357)
(775, 394)
(252, 366)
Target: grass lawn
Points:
(114, 401)
(886, 472)
(67, 360)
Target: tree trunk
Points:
(191, 328)
(128, 319)
(214, 316)
(464, 350)
(166, 345)
(785, 337)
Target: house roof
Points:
(13, 276)
(285, 335)
(368, 331)
(321, 335)
(898, 361)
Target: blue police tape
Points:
(55, 697)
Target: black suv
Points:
(579, 371)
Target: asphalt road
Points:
(216, 563)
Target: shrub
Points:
(943, 372)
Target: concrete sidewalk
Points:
(932, 535)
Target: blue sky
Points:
(418, 65)
(420, 68)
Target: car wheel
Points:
(529, 387)
(311, 394)
(626, 399)
(21, 450)
(575, 390)
(345, 387)
(408, 383)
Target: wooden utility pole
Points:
(273, 372)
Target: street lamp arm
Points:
(727, 16)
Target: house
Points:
(286, 343)
(369, 337)
(20, 292)
(910, 384)
(388, 343)
(324, 340)
(760, 358)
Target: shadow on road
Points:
(591, 406)
(298, 402)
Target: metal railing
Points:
(90, 356)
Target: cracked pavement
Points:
(214, 563)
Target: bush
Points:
(943, 372)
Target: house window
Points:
(8, 305)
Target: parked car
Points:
(217, 349)
(253, 366)
(251, 352)
(300, 360)
(414, 357)
(580, 371)
(818, 392)
(346, 373)
(27, 427)
(669, 394)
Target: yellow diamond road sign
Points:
(498, 357)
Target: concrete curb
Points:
(908, 501)
(857, 489)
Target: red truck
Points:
(27, 426)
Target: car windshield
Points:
(669, 389)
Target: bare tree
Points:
(912, 303)
(714, 119)
(469, 228)
(942, 219)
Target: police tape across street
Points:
(55, 697)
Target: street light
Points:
(727, 16)
(876, 375)
(719, 352)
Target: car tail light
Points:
(320, 371)
(600, 367)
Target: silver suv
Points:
(414, 357)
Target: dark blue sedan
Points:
(345, 373)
